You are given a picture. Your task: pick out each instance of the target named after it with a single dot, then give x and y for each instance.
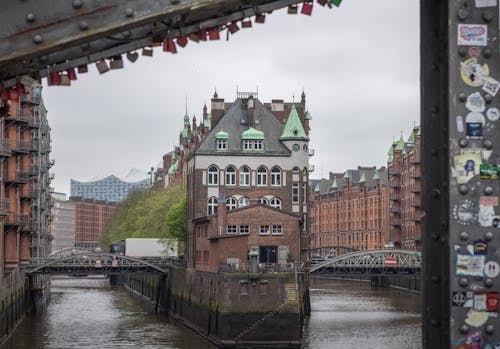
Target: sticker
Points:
(487, 216)
(493, 114)
(476, 287)
(475, 339)
(470, 249)
(488, 172)
(485, 154)
(470, 265)
(488, 200)
(474, 123)
(479, 301)
(480, 247)
(458, 299)
(492, 302)
(460, 124)
(495, 345)
(476, 318)
(472, 34)
(486, 3)
(491, 269)
(475, 102)
(474, 52)
(491, 86)
(473, 73)
(469, 303)
(467, 166)
(465, 212)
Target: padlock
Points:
(182, 41)
(147, 51)
(233, 27)
(336, 2)
(213, 34)
(81, 69)
(4, 94)
(71, 73)
(20, 89)
(322, 2)
(202, 34)
(292, 10)
(132, 56)
(13, 95)
(54, 79)
(102, 66)
(260, 18)
(169, 46)
(246, 24)
(307, 8)
(116, 62)
(65, 80)
(194, 37)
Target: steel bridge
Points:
(95, 263)
(373, 262)
(332, 250)
(68, 251)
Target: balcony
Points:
(311, 168)
(311, 152)
(34, 170)
(394, 198)
(414, 161)
(31, 99)
(416, 204)
(5, 148)
(415, 188)
(35, 121)
(4, 207)
(395, 186)
(52, 162)
(21, 146)
(30, 226)
(395, 223)
(394, 173)
(395, 210)
(17, 219)
(17, 177)
(30, 192)
(24, 115)
(34, 145)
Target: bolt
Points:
(77, 3)
(434, 109)
(487, 52)
(84, 25)
(487, 16)
(435, 323)
(464, 329)
(489, 329)
(462, 51)
(462, 97)
(488, 282)
(37, 39)
(463, 282)
(85, 46)
(129, 12)
(488, 98)
(488, 144)
(435, 236)
(462, 142)
(43, 59)
(488, 236)
(436, 279)
(463, 189)
(488, 190)
(462, 13)
(464, 236)
(434, 152)
(30, 17)
(435, 193)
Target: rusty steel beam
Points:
(38, 37)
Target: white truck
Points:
(146, 247)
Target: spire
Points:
(293, 129)
(215, 93)
(362, 179)
(376, 176)
(316, 188)
(303, 98)
(334, 183)
(346, 175)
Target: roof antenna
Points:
(186, 103)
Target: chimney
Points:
(278, 110)
(250, 110)
(221, 214)
(217, 109)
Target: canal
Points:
(88, 313)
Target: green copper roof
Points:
(389, 159)
(401, 144)
(222, 135)
(186, 118)
(411, 139)
(334, 183)
(404, 151)
(184, 132)
(419, 132)
(346, 175)
(376, 176)
(173, 168)
(391, 150)
(362, 179)
(293, 127)
(316, 188)
(308, 116)
(208, 121)
(252, 133)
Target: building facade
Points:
(350, 210)
(62, 225)
(406, 212)
(25, 179)
(246, 167)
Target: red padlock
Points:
(213, 34)
(20, 89)
(194, 37)
(260, 18)
(202, 34)
(169, 46)
(246, 24)
(292, 10)
(233, 27)
(4, 94)
(83, 69)
(13, 95)
(322, 2)
(307, 8)
(492, 301)
(71, 73)
(54, 79)
(182, 41)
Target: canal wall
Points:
(407, 283)
(232, 310)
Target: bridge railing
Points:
(261, 267)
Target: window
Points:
(230, 176)
(263, 201)
(213, 175)
(244, 230)
(295, 193)
(276, 203)
(212, 206)
(243, 202)
(231, 204)
(258, 145)
(247, 144)
(277, 229)
(276, 177)
(232, 229)
(304, 193)
(262, 177)
(244, 176)
(264, 230)
(221, 144)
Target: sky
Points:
(357, 64)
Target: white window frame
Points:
(232, 229)
(244, 176)
(213, 176)
(295, 193)
(221, 144)
(264, 229)
(231, 203)
(243, 202)
(275, 177)
(275, 202)
(247, 144)
(244, 229)
(212, 206)
(262, 176)
(264, 201)
(258, 144)
(231, 176)
(277, 229)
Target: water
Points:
(87, 313)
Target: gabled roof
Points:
(293, 129)
(401, 144)
(222, 135)
(308, 116)
(252, 133)
(334, 183)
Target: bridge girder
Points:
(45, 36)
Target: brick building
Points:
(62, 225)
(350, 209)
(91, 217)
(404, 170)
(24, 173)
(245, 165)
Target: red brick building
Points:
(246, 167)
(404, 170)
(350, 209)
(91, 217)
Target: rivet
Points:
(488, 282)
(488, 144)
(434, 109)
(462, 13)
(435, 323)
(37, 39)
(489, 329)
(488, 190)
(463, 282)
(462, 97)
(464, 236)
(463, 188)
(487, 16)
(129, 12)
(43, 59)
(462, 51)
(488, 236)
(77, 3)
(435, 279)
(30, 17)
(83, 25)
(435, 193)
(463, 142)
(464, 329)
(435, 236)
(434, 67)
(488, 98)
(487, 52)
(434, 152)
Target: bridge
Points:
(96, 263)
(373, 262)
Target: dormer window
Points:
(221, 144)
(252, 140)
(221, 139)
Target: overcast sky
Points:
(358, 65)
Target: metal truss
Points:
(332, 250)
(93, 263)
(44, 36)
(68, 251)
(373, 262)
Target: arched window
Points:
(230, 176)
(213, 175)
(275, 202)
(295, 170)
(262, 176)
(245, 176)
(276, 177)
(231, 204)
(243, 202)
(263, 201)
(212, 206)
